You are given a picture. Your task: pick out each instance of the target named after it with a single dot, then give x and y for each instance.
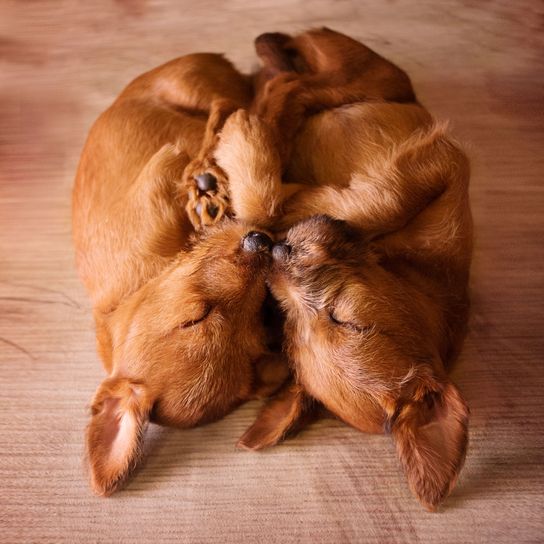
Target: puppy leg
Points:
(201, 83)
(391, 192)
(152, 227)
(204, 181)
(344, 67)
(247, 153)
(348, 62)
(284, 414)
(335, 70)
(289, 98)
(152, 200)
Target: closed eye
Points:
(349, 325)
(193, 322)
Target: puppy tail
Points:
(120, 414)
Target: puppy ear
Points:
(431, 434)
(283, 414)
(120, 414)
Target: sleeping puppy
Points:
(178, 316)
(373, 272)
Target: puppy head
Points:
(183, 347)
(364, 342)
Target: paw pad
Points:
(206, 182)
(211, 209)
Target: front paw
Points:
(207, 196)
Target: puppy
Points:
(373, 272)
(178, 316)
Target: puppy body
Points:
(375, 292)
(178, 321)
(402, 184)
(171, 104)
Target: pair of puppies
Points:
(374, 293)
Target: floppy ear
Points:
(286, 413)
(431, 433)
(120, 414)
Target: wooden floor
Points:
(61, 63)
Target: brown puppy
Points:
(375, 292)
(178, 320)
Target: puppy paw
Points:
(207, 195)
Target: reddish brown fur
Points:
(375, 293)
(178, 322)
(335, 70)
(375, 298)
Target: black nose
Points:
(256, 241)
(281, 251)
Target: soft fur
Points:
(372, 275)
(178, 317)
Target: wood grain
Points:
(476, 63)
